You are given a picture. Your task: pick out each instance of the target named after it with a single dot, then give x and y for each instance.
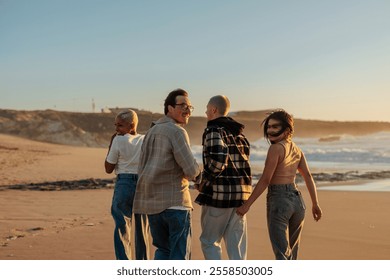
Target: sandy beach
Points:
(77, 224)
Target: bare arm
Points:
(311, 187)
(109, 166)
(275, 152)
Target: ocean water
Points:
(348, 153)
(374, 186)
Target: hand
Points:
(198, 179)
(242, 210)
(317, 212)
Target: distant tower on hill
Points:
(93, 105)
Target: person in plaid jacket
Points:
(226, 183)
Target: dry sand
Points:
(65, 225)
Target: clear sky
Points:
(327, 60)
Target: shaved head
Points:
(221, 103)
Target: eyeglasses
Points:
(185, 107)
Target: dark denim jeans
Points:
(171, 232)
(285, 217)
(122, 210)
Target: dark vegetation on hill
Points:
(95, 129)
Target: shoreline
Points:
(322, 179)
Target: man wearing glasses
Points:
(166, 166)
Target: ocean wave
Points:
(354, 150)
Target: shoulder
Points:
(121, 138)
(176, 129)
(215, 129)
(167, 126)
(276, 152)
(213, 132)
(295, 147)
(212, 128)
(277, 148)
(136, 139)
(175, 132)
(138, 136)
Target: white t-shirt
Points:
(124, 153)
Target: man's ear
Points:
(170, 108)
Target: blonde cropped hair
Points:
(128, 116)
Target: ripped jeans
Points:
(285, 218)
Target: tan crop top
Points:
(286, 169)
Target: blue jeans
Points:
(285, 217)
(122, 210)
(171, 232)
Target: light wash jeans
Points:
(285, 216)
(218, 223)
(171, 232)
(122, 210)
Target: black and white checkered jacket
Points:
(227, 173)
